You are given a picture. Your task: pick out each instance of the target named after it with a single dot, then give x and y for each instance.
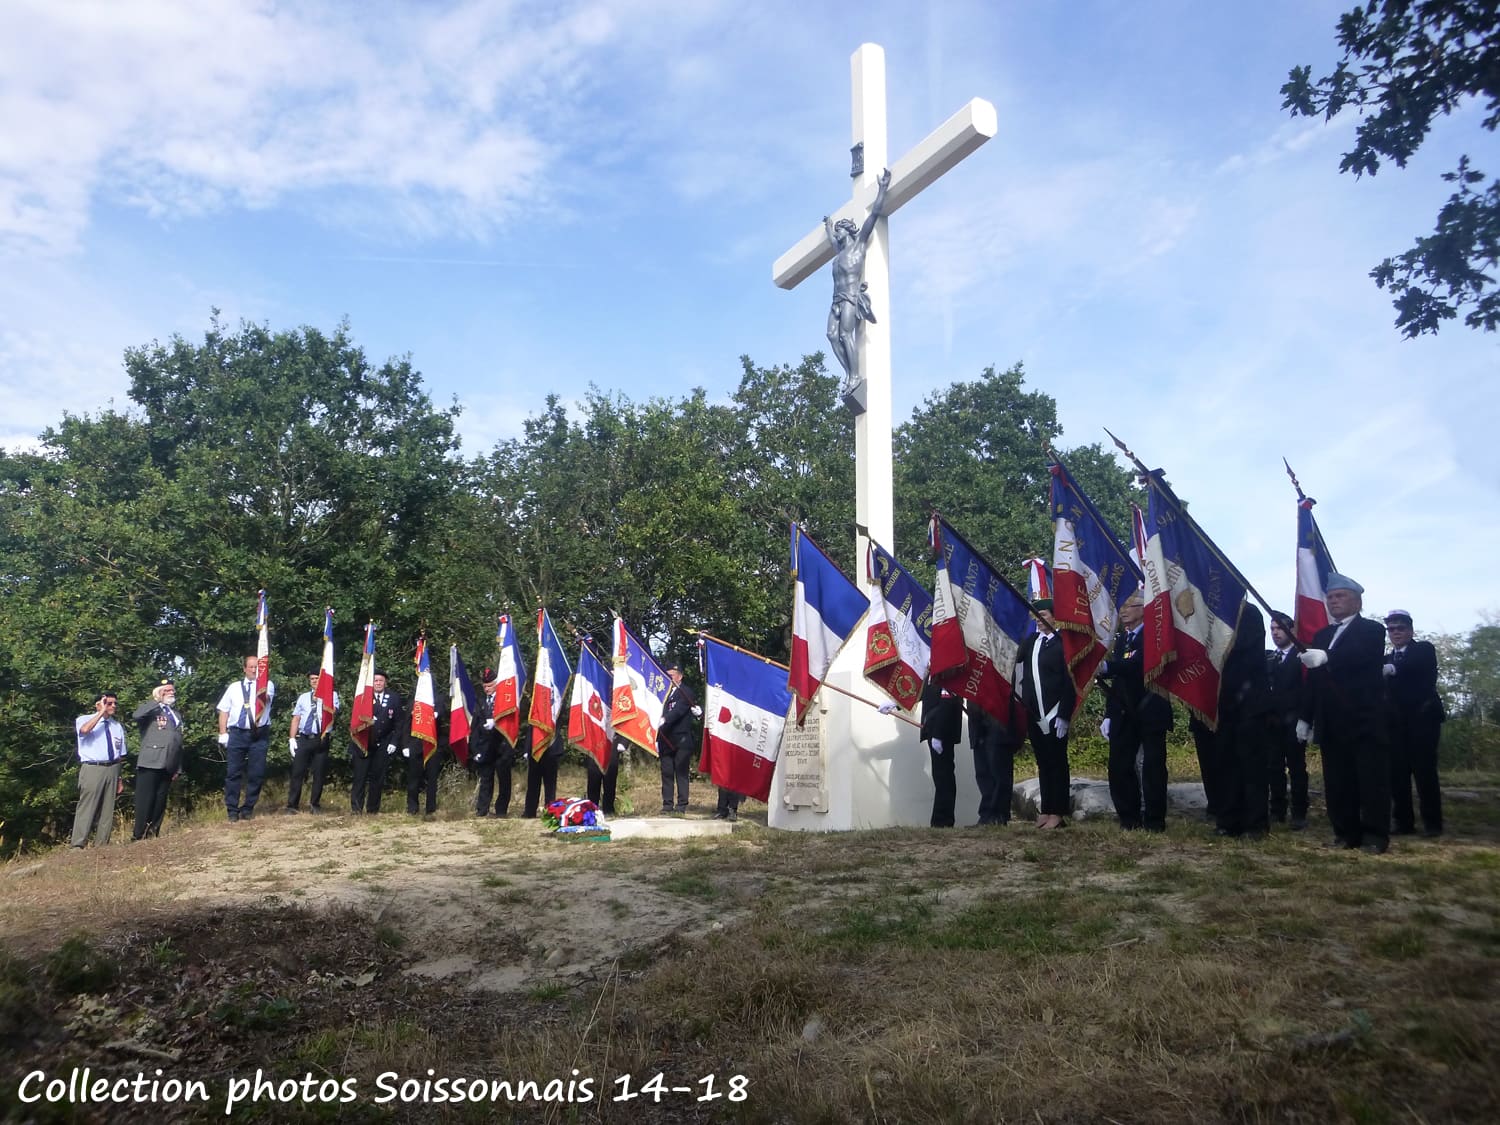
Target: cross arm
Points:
(943, 148)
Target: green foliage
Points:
(132, 545)
(1405, 62)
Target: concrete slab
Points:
(666, 828)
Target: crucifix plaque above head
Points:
(854, 239)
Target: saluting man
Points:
(160, 758)
(101, 750)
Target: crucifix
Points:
(861, 309)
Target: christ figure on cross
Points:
(851, 301)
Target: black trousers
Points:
(311, 759)
(369, 777)
(1287, 771)
(494, 775)
(1357, 785)
(1242, 803)
(603, 783)
(995, 774)
(1205, 743)
(729, 801)
(1124, 782)
(1053, 777)
(1414, 757)
(422, 776)
(151, 786)
(944, 784)
(541, 781)
(676, 766)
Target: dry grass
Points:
(900, 976)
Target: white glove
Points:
(935, 746)
(1314, 658)
(1388, 670)
(291, 744)
(1104, 728)
(489, 724)
(224, 739)
(390, 747)
(886, 708)
(697, 712)
(406, 751)
(1304, 730)
(1060, 728)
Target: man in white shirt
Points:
(101, 751)
(245, 734)
(309, 743)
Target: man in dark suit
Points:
(1288, 755)
(675, 741)
(159, 760)
(1343, 711)
(994, 745)
(490, 755)
(1414, 714)
(370, 769)
(1048, 695)
(1136, 722)
(942, 726)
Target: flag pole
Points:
(1151, 481)
(737, 648)
(1309, 502)
(1068, 483)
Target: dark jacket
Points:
(942, 715)
(1056, 682)
(1346, 695)
(161, 738)
(1286, 685)
(1126, 698)
(388, 720)
(676, 729)
(1244, 686)
(1412, 691)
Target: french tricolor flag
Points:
(825, 610)
(638, 690)
(1092, 574)
(424, 704)
(552, 673)
(1192, 602)
(462, 704)
(1314, 564)
(589, 727)
(978, 621)
(744, 714)
(323, 693)
(898, 639)
(262, 659)
(362, 712)
(512, 684)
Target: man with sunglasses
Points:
(101, 752)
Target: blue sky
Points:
(532, 198)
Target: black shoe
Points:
(1156, 828)
(720, 816)
(666, 810)
(481, 815)
(731, 815)
(681, 810)
(1231, 833)
(290, 811)
(1341, 843)
(1403, 830)
(1432, 833)
(1378, 847)
(314, 809)
(1299, 823)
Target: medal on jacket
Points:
(161, 720)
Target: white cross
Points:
(944, 147)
